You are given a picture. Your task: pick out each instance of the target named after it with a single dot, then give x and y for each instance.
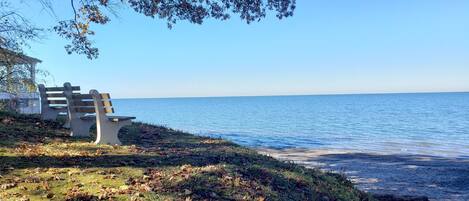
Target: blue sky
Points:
(328, 46)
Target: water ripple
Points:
(433, 123)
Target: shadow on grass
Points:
(137, 160)
(16, 129)
(242, 172)
(262, 176)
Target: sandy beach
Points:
(439, 178)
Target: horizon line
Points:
(313, 94)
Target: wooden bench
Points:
(54, 103)
(88, 109)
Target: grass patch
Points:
(39, 161)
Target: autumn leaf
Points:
(45, 185)
(8, 186)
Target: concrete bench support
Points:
(79, 126)
(107, 126)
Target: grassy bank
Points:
(38, 161)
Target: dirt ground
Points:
(438, 178)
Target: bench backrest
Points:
(86, 104)
(102, 104)
(54, 96)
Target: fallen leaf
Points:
(8, 186)
(45, 185)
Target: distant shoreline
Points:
(289, 95)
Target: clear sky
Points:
(328, 46)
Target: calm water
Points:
(436, 124)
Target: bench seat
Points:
(119, 118)
(111, 118)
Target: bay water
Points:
(414, 123)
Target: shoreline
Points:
(437, 177)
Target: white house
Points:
(25, 103)
(21, 96)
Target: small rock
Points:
(213, 195)
(187, 192)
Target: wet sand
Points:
(439, 178)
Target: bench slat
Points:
(82, 96)
(83, 103)
(84, 109)
(64, 108)
(88, 109)
(61, 102)
(55, 95)
(107, 104)
(75, 101)
(109, 110)
(106, 96)
(74, 88)
(111, 118)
